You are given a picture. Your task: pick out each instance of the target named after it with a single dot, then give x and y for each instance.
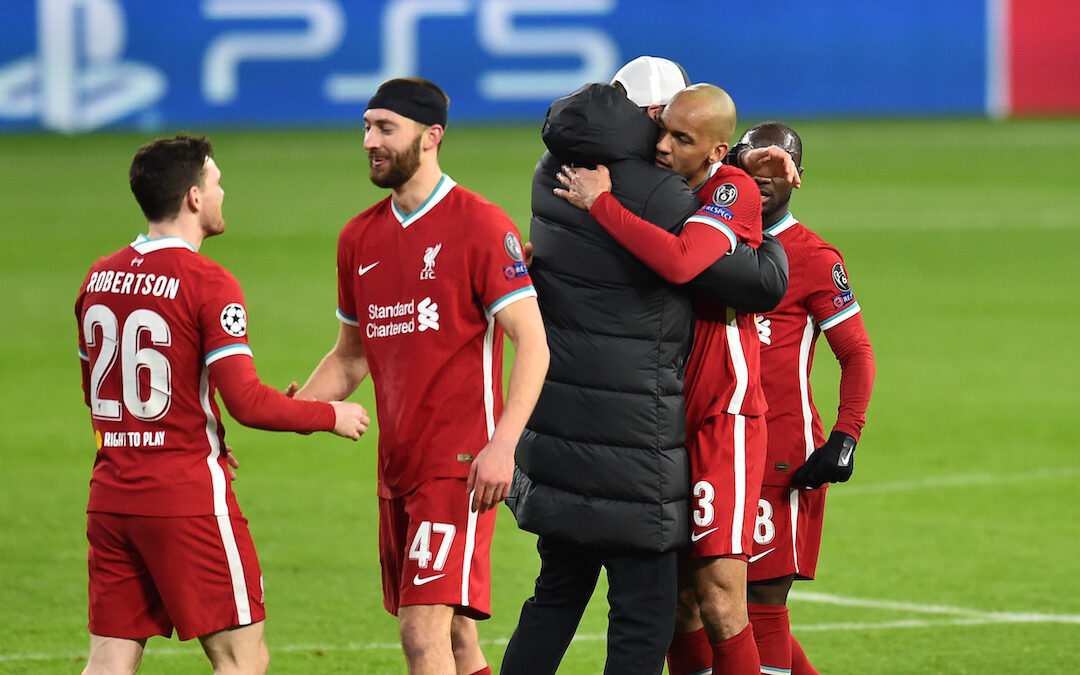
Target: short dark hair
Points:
(790, 141)
(163, 170)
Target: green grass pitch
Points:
(954, 549)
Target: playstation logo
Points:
(78, 81)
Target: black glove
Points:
(831, 463)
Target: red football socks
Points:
(690, 654)
(800, 665)
(737, 655)
(772, 632)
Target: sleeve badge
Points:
(839, 277)
(725, 195)
(234, 319)
(513, 247)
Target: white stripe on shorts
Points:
(236, 570)
(470, 545)
(740, 484)
(793, 521)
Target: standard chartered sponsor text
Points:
(391, 328)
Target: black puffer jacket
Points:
(602, 461)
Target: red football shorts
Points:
(787, 534)
(435, 550)
(151, 574)
(727, 463)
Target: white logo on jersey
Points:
(364, 269)
(429, 261)
(136, 262)
(427, 315)
(764, 329)
(234, 319)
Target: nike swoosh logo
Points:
(761, 555)
(845, 457)
(364, 269)
(417, 580)
(694, 536)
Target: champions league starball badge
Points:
(234, 319)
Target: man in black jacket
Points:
(602, 471)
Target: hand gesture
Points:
(350, 419)
(770, 162)
(583, 186)
(490, 475)
(831, 463)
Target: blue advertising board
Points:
(78, 65)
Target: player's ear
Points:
(193, 199)
(719, 152)
(432, 136)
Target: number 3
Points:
(703, 515)
(133, 362)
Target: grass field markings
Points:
(895, 625)
(961, 616)
(974, 614)
(960, 480)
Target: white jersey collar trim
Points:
(446, 183)
(144, 244)
(785, 223)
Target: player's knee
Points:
(724, 614)
(464, 639)
(112, 662)
(418, 642)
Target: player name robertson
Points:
(129, 283)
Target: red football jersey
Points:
(818, 298)
(722, 374)
(152, 318)
(423, 289)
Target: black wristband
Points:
(732, 158)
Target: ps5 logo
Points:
(500, 35)
(72, 89)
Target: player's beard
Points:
(401, 166)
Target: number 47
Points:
(420, 550)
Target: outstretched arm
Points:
(750, 280)
(257, 405)
(677, 259)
